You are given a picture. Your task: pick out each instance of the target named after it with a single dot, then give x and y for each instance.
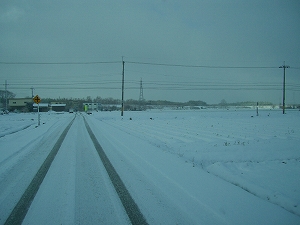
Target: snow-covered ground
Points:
(181, 167)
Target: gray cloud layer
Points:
(212, 33)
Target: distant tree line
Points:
(246, 103)
(130, 104)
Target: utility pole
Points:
(6, 106)
(32, 92)
(283, 98)
(122, 109)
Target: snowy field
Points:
(186, 167)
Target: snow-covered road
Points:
(77, 189)
(180, 167)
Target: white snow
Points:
(180, 166)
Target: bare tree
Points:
(2, 96)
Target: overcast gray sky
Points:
(236, 47)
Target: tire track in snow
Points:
(15, 131)
(132, 209)
(19, 212)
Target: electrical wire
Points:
(143, 63)
(187, 86)
(57, 63)
(150, 85)
(204, 66)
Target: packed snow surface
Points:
(180, 166)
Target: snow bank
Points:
(259, 154)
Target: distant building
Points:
(20, 104)
(43, 107)
(91, 106)
(57, 106)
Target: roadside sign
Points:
(37, 99)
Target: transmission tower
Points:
(141, 91)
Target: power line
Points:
(69, 88)
(156, 84)
(142, 63)
(57, 63)
(180, 86)
(204, 66)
